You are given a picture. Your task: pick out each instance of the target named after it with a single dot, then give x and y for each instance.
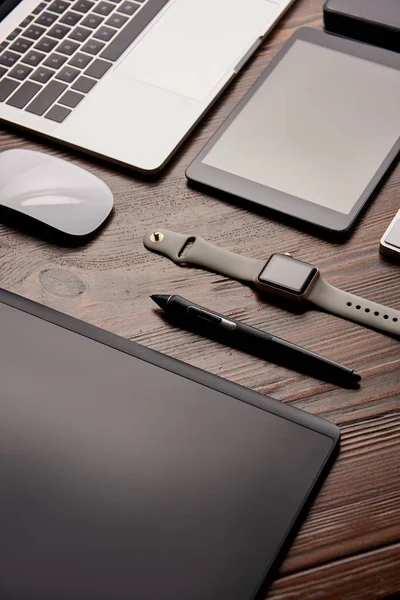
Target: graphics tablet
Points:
(127, 475)
(315, 134)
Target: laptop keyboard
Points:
(57, 54)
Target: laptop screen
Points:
(6, 6)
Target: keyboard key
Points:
(24, 94)
(67, 74)
(71, 18)
(93, 47)
(59, 6)
(132, 29)
(116, 20)
(8, 59)
(71, 99)
(7, 86)
(80, 34)
(67, 47)
(104, 33)
(46, 19)
(21, 45)
(98, 68)
(33, 58)
(2, 72)
(39, 8)
(46, 98)
(82, 6)
(46, 44)
(42, 75)
(92, 21)
(84, 84)
(26, 21)
(3, 46)
(34, 32)
(21, 72)
(103, 8)
(14, 34)
(58, 114)
(80, 60)
(55, 61)
(59, 31)
(128, 8)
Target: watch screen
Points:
(287, 273)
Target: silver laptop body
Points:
(125, 80)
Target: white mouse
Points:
(53, 191)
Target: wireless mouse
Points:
(53, 191)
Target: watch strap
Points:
(194, 250)
(355, 308)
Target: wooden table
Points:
(349, 546)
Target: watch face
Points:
(287, 274)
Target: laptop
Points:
(125, 80)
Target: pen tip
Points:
(160, 299)
(356, 377)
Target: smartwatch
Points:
(281, 275)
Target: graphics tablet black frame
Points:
(267, 197)
(209, 380)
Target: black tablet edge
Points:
(173, 365)
(293, 528)
(260, 195)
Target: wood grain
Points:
(348, 547)
(365, 576)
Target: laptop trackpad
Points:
(195, 43)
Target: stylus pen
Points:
(254, 341)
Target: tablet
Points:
(315, 134)
(127, 475)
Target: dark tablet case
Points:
(126, 474)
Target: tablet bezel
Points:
(256, 193)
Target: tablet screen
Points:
(318, 127)
(121, 480)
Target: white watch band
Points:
(354, 307)
(194, 250)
